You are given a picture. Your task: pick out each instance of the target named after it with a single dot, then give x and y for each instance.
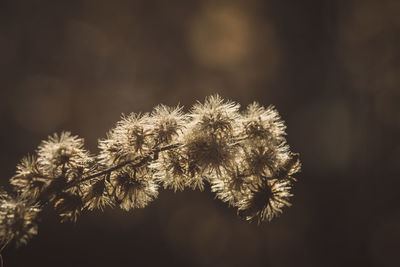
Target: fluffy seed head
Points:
(264, 123)
(215, 116)
(166, 123)
(63, 155)
(232, 184)
(128, 140)
(29, 179)
(209, 152)
(17, 219)
(266, 200)
(95, 195)
(171, 170)
(132, 188)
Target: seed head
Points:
(132, 188)
(63, 155)
(266, 200)
(232, 184)
(171, 170)
(128, 140)
(166, 123)
(95, 195)
(216, 116)
(17, 219)
(264, 123)
(29, 179)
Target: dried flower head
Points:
(29, 179)
(128, 140)
(265, 148)
(132, 188)
(95, 194)
(63, 155)
(210, 137)
(171, 170)
(290, 166)
(232, 184)
(215, 116)
(264, 123)
(166, 123)
(17, 219)
(208, 152)
(265, 200)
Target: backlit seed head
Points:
(63, 155)
(29, 179)
(95, 194)
(17, 219)
(128, 140)
(166, 123)
(170, 170)
(132, 188)
(263, 123)
(215, 116)
(266, 200)
(232, 184)
(208, 152)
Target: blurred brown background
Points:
(332, 68)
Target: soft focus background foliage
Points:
(332, 69)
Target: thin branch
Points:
(144, 160)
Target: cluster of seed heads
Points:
(242, 156)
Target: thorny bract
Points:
(242, 155)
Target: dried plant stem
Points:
(1, 249)
(243, 156)
(143, 160)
